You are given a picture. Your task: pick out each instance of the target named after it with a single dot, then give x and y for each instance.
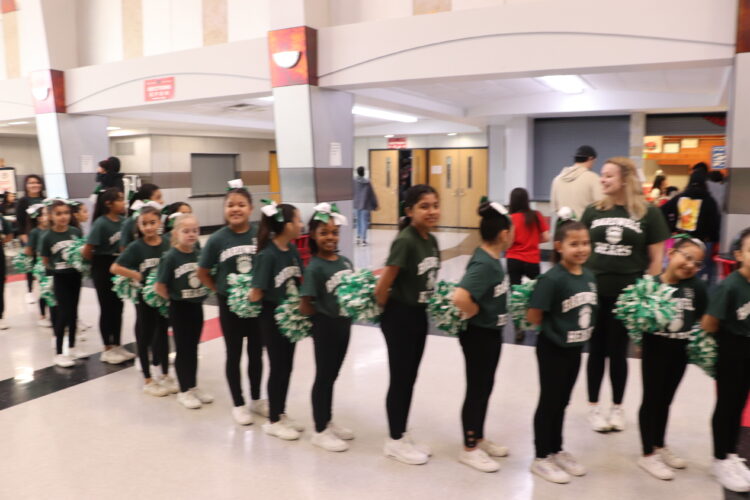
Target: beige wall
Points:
(23, 154)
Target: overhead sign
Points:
(397, 143)
(159, 89)
(718, 157)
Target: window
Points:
(210, 173)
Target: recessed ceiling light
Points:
(268, 98)
(383, 114)
(568, 84)
(113, 128)
(453, 133)
(388, 136)
(18, 123)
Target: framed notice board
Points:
(8, 180)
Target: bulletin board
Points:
(8, 180)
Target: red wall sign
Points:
(159, 89)
(397, 143)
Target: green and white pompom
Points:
(356, 296)
(153, 299)
(237, 297)
(518, 306)
(443, 311)
(47, 291)
(702, 351)
(126, 288)
(38, 270)
(645, 306)
(293, 324)
(23, 263)
(73, 255)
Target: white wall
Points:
(21, 153)
(99, 25)
(172, 25)
(358, 11)
(247, 19)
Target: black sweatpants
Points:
(405, 331)
(609, 340)
(110, 305)
(187, 324)
(235, 329)
(663, 363)
(67, 287)
(331, 338)
(733, 383)
(558, 371)
(517, 269)
(281, 354)
(481, 348)
(151, 335)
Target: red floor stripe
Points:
(15, 277)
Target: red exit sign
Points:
(397, 143)
(159, 89)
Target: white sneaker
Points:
(202, 396)
(242, 415)
(76, 353)
(492, 449)
(64, 361)
(169, 383)
(569, 464)
(656, 467)
(124, 353)
(547, 469)
(44, 323)
(113, 357)
(3, 325)
(291, 423)
(404, 451)
(616, 418)
(596, 420)
(30, 299)
(153, 388)
(419, 446)
(670, 458)
(329, 441)
(341, 432)
(741, 466)
(479, 460)
(726, 472)
(188, 400)
(281, 431)
(260, 407)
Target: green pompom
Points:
(73, 255)
(47, 291)
(518, 306)
(703, 351)
(646, 306)
(293, 324)
(153, 299)
(23, 263)
(38, 270)
(126, 288)
(356, 296)
(443, 311)
(237, 297)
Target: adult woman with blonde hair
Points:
(627, 239)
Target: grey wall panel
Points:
(334, 184)
(679, 124)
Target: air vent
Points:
(124, 148)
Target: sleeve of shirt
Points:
(475, 281)
(126, 233)
(543, 294)
(669, 210)
(701, 298)
(588, 216)
(719, 303)
(399, 254)
(309, 282)
(21, 216)
(262, 273)
(164, 271)
(656, 226)
(128, 258)
(44, 247)
(208, 254)
(95, 236)
(542, 222)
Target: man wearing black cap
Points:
(577, 186)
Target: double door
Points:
(460, 178)
(392, 172)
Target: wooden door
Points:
(384, 179)
(274, 185)
(444, 177)
(418, 166)
(473, 178)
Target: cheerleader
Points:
(482, 296)
(403, 290)
(66, 279)
(172, 211)
(102, 248)
(177, 280)
(277, 273)
(147, 194)
(38, 224)
(330, 329)
(232, 249)
(139, 259)
(564, 303)
(728, 317)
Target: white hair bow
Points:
(327, 211)
(499, 208)
(235, 184)
(566, 213)
(34, 208)
(271, 209)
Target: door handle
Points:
(388, 172)
(448, 165)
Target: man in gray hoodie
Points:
(577, 186)
(364, 201)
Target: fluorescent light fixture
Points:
(18, 123)
(113, 128)
(383, 114)
(568, 84)
(268, 98)
(453, 133)
(388, 136)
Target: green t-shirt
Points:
(179, 272)
(52, 246)
(105, 236)
(230, 252)
(488, 285)
(126, 233)
(691, 299)
(320, 281)
(277, 272)
(619, 245)
(142, 257)
(569, 302)
(34, 238)
(730, 304)
(418, 260)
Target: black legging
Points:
(733, 384)
(331, 338)
(151, 334)
(481, 348)
(110, 305)
(30, 282)
(235, 329)
(609, 340)
(558, 371)
(405, 331)
(281, 354)
(67, 287)
(187, 324)
(517, 269)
